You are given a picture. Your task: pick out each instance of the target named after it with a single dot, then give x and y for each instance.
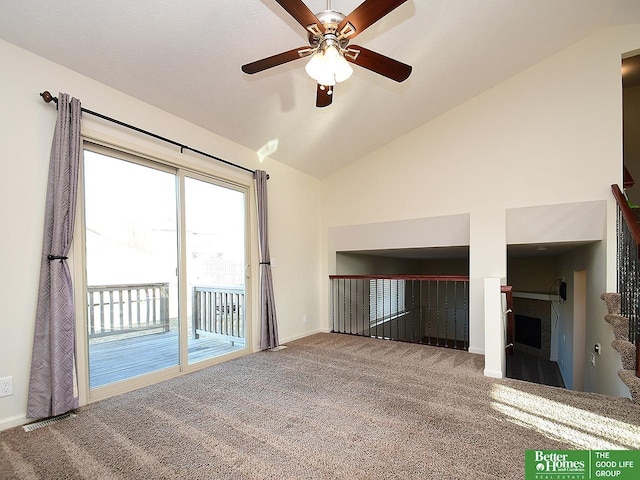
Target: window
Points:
(386, 299)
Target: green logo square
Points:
(557, 465)
(581, 464)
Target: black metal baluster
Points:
(466, 312)
(429, 312)
(446, 314)
(332, 284)
(344, 305)
(357, 304)
(363, 309)
(455, 315)
(438, 307)
(350, 306)
(393, 307)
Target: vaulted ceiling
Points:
(185, 58)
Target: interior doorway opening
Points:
(549, 304)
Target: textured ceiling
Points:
(185, 58)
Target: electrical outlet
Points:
(593, 359)
(6, 386)
(304, 318)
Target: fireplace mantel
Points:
(537, 296)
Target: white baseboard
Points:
(15, 421)
(493, 373)
(303, 335)
(478, 351)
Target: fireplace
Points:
(533, 324)
(528, 331)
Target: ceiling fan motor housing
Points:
(330, 20)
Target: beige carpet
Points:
(330, 406)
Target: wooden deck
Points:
(115, 360)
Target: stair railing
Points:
(425, 309)
(511, 326)
(628, 260)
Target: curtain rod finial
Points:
(47, 97)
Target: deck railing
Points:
(218, 312)
(425, 309)
(119, 309)
(629, 268)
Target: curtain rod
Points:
(47, 97)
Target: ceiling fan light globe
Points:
(316, 66)
(342, 70)
(327, 78)
(331, 54)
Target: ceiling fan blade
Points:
(303, 15)
(378, 63)
(323, 97)
(365, 15)
(275, 60)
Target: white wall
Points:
(549, 135)
(26, 128)
(632, 139)
(358, 264)
(535, 274)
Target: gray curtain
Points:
(269, 322)
(52, 381)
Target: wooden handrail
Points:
(441, 278)
(508, 290)
(627, 214)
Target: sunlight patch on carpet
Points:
(580, 427)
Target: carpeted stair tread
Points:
(622, 345)
(630, 379)
(613, 302)
(620, 325)
(627, 352)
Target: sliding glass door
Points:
(165, 267)
(215, 251)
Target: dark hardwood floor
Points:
(529, 368)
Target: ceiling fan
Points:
(329, 35)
